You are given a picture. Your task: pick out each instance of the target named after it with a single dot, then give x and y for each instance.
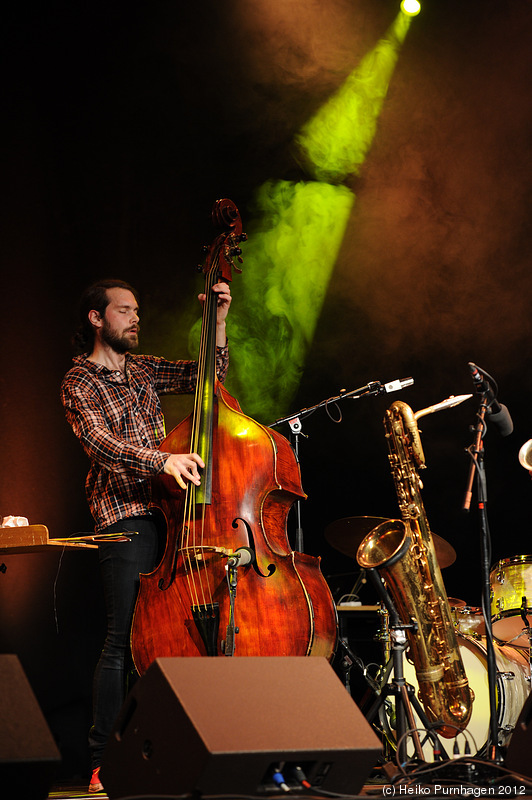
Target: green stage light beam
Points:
(295, 239)
(336, 140)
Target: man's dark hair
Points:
(95, 298)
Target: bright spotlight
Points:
(410, 7)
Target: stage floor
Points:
(438, 789)
(64, 792)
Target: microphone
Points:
(497, 412)
(241, 557)
(400, 383)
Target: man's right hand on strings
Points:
(184, 466)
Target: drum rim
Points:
(503, 562)
(510, 612)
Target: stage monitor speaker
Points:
(29, 757)
(518, 757)
(214, 725)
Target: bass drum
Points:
(513, 671)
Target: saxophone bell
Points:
(384, 545)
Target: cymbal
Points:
(346, 534)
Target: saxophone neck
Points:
(402, 429)
(403, 432)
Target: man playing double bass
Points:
(111, 400)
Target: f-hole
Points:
(271, 567)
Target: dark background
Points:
(124, 122)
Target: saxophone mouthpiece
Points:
(449, 403)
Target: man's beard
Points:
(120, 343)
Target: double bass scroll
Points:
(193, 603)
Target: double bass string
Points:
(195, 561)
(189, 522)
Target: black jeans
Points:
(120, 566)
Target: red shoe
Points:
(95, 785)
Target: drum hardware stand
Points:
(404, 693)
(528, 631)
(477, 469)
(359, 582)
(371, 389)
(523, 610)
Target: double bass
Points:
(229, 583)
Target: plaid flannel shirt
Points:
(119, 421)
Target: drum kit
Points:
(511, 602)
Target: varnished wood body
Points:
(283, 605)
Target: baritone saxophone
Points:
(402, 550)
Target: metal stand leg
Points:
(404, 694)
(406, 703)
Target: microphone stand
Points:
(296, 429)
(371, 389)
(477, 470)
(240, 558)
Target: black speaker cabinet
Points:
(222, 725)
(28, 754)
(518, 758)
